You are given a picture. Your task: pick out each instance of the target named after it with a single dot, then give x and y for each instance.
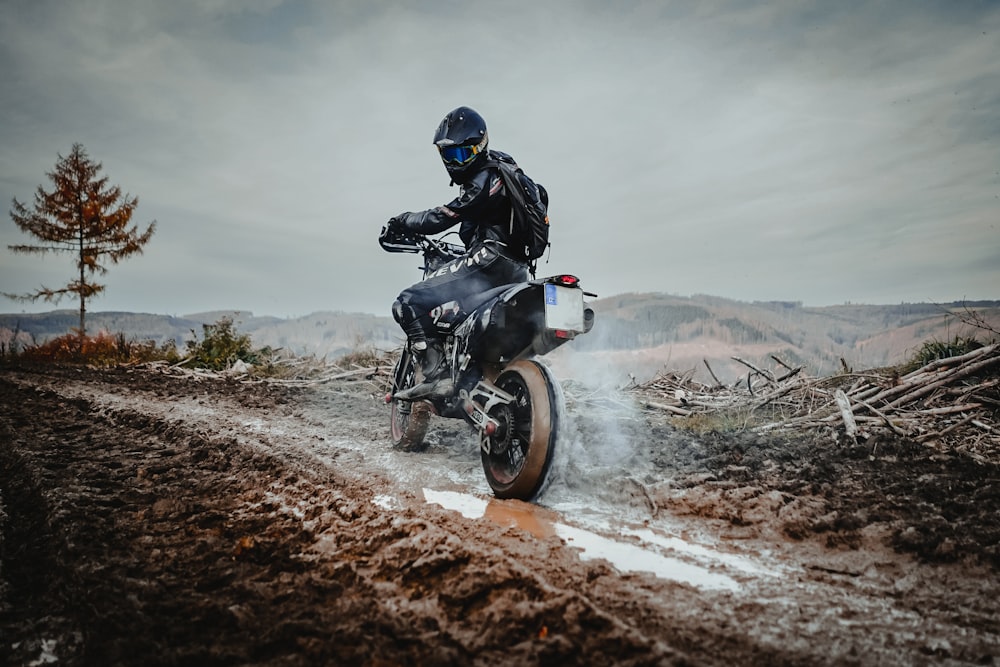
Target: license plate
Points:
(563, 308)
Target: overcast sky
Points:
(821, 152)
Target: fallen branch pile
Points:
(950, 404)
(304, 374)
(374, 368)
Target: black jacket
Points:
(482, 208)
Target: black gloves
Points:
(398, 224)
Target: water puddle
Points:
(700, 552)
(635, 558)
(469, 506)
(640, 556)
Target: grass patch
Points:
(932, 350)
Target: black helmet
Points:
(461, 140)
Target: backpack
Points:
(529, 203)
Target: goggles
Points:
(458, 154)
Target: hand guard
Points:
(396, 237)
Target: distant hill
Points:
(638, 334)
(40, 327)
(644, 333)
(323, 334)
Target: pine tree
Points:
(81, 215)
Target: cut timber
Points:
(845, 413)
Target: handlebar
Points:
(396, 240)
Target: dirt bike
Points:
(491, 340)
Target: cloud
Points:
(824, 152)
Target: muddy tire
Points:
(521, 450)
(408, 421)
(409, 425)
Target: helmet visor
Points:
(458, 154)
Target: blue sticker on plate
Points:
(550, 294)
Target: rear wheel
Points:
(521, 449)
(408, 420)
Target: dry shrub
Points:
(366, 356)
(102, 349)
(221, 346)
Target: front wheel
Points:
(521, 450)
(408, 420)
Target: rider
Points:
(483, 211)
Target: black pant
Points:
(484, 266)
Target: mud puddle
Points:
(643, 554)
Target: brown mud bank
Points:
(151, 518)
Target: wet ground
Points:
(155, 519)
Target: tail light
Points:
(566, 280)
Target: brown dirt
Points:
(149, 518)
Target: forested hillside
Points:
(681, 332)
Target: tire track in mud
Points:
(220, 523)
(139, 542)
(307, 571)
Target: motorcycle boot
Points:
(429, 355)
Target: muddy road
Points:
(160, 519)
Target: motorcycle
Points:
(491, 341)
